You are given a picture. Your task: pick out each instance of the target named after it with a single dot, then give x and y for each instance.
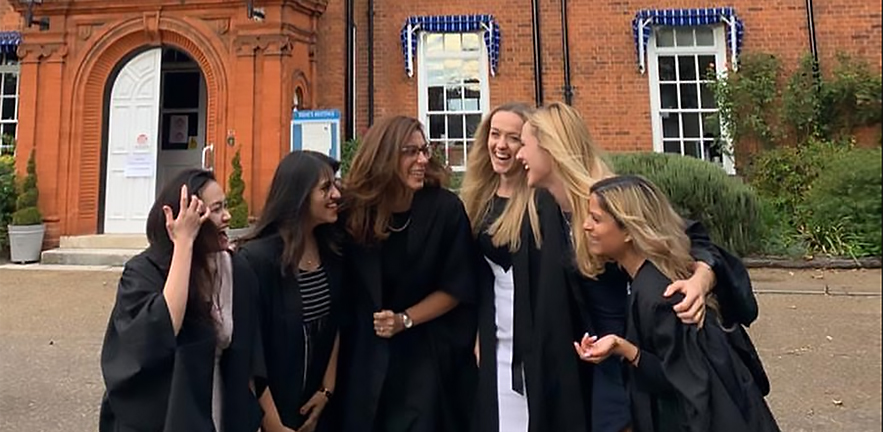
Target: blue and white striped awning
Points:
(645, 20)
(9, 41)
(451, 24)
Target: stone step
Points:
(104, 241)
(88, 257)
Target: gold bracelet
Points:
(327, 393)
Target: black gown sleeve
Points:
(733, 288)
(681, 362)
(140, 343)
(457, 261)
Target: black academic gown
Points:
(424, 375)
(687, 379)
(547, 319)
(282, 329)
(156, 381)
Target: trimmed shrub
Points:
(235, 196)
(8, 195)
(844, 206)
(26, 211)
(700, 190)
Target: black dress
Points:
(548, 308)
(421, 380)
(298, 333)
(156, 381)
(687, 379)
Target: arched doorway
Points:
(156, 127)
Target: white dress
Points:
(513, 412)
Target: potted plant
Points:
(27, 229)
(236, 201)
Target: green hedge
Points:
(8, 195)
(700, 190)
(844, 205)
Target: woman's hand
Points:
(184, 228)
(387, 324)
(313, 408)
(691, 310)
(594, 350)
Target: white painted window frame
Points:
(719, 51)
(423, 85)
(10, 67)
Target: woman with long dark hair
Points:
(181, 345)
(295, 253)
(410, 276)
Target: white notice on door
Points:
(317, 137)
(139, 165)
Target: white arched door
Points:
(132, 144)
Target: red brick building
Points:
(235, 76)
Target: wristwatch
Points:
(407, 321)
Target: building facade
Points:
(114, 96)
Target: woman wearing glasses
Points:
(181, 343)
(294, 251)
(410, 275)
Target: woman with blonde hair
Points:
(560, 156)
(409, 269)
(514, 309)
(680, 378)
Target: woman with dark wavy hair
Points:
(410, 272)
(181, 345)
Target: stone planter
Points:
(25, 242)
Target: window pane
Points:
(712, 153)
(704, 36)
(436, 98)
(667, 68)
(436, 127)
(181, 90)
(452, 42)
(684, 37)
(669, 93)
(435, 72)
(470, 69)
(691, 125)
(472, 122)
(671, 127)
(672, 147)
(453, 71)
(455, 126)
(707, 96)
(710, 128)
(454, 97)
(471, 42)
(686, 68)
(9, 129)
(691, 148)
(707, 67)
(10, 83)
(7, 111)
(472, 98)
(665, 37)
(456, 153)
(434, 43)
(689, 96)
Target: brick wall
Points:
(9, 18)
(608, 88)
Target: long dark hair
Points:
(372, 182)
(288, 205)
(202, 280)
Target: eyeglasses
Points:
(412, 151)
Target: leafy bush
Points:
(235, 196)
(8, 196)
(844, 205)
(26, 211)
(347, 152)
(700, 190)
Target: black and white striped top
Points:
(315, 294)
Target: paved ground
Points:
(823, 353)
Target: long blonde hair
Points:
(644, 212)
(481, 183)
(577, 161)
(372, 182)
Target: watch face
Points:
(406, 321)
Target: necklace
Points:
(567, 222)
(399, 229)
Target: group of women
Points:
(551, 295)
